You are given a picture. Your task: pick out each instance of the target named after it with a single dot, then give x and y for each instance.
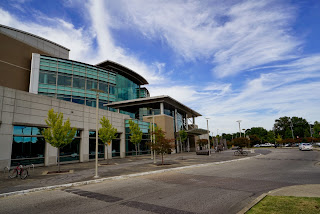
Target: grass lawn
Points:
(287, 204)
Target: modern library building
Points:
(36, 75)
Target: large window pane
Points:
(111, 89)
(64, 80)
(47, 78)
(103, 86)
(92, 148)
(64, 97)
(27, 150)
(79, 82)
(71, 151)
(21, 130)
(79, 100)
(91, 102)
(91, 84)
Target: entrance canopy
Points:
(197, 131)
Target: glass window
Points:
(26, 149)
(91, 84)
(92, 148)
(101, 104)
(79, 100)
(64, 80)
(71, 151)
(111, 89)
(22, 130)
(103, 86)
(37, 131)
(64, 97)
(47, 78)
(90, 102)
(79, 82)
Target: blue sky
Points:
(247, 60)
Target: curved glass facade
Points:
(73, 81)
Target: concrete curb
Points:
(252, 203)
(272, 192)
(22, 192)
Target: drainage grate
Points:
(94, 195)
(154, 208)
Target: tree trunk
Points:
(107, 153)
(135, 145)
(162, 158)
(58, 159)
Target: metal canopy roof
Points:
(124, 71)
(153, 102)
(197, 131)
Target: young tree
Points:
(183, 136)
(316, 129)
(136, 134)
(279, 139)
(202, 143)
(58, 134)
(107, 133)
(162, 145)
(241, 141)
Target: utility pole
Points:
(239, 121)
(208, 136)
(311, 131)
(291, 126)
(97, 130)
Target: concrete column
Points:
(122, 145)
(161, 109)
(193, 120)
(118, 110)
(50, 155)
(84, 146)
(7, 105)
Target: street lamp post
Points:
(239, 121)
(97, 118)
(310, 131)
(291, 126)
(208, 136)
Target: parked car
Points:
(257, 145)
(266, 145)
(305, 146)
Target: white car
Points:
(305, 146)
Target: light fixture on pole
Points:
(239, 121)
(311, 131)
(209, 152)
(97, 119)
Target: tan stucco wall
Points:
(165, 122)
(19, 55)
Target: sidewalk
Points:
(117, 167)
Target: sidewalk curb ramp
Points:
(23, 192)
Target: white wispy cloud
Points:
(235, 37)
(81, 41)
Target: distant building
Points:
(37, 75)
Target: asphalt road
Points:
(224, 188)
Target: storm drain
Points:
(134, 204)
(154, 208)
(94, 195)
